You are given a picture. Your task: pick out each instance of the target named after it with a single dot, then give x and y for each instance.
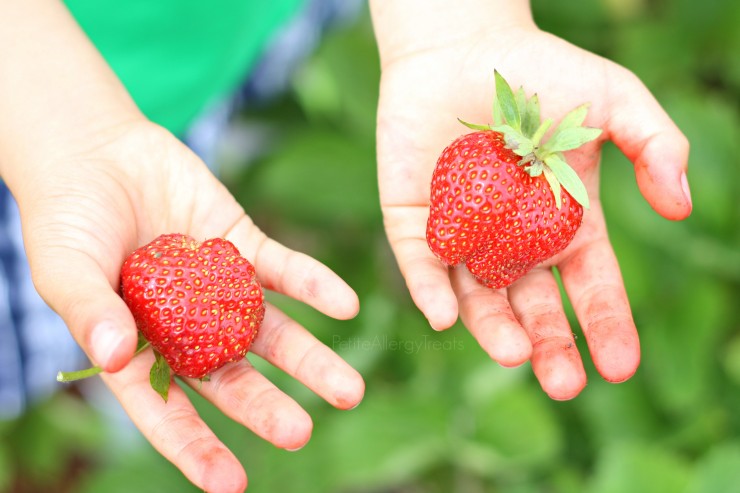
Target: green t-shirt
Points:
(177, 56)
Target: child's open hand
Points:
(91, 208)
(437, 66)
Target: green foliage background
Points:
(438, 415)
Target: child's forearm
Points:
(408, 26)
(56, 90)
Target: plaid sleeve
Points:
(34, 342)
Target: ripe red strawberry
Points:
(501, 201)
(198, 304)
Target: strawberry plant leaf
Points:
(570, 138)
(568, 178)
(540, 132)
(141, 343)
(507, 102)
(521, 102)
(574, 118)
(474, 126)
(531, 116)
(552, 180)
(498, 118)
(514, 139)
(159, 376)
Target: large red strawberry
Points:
(198, 304)
(503, 201)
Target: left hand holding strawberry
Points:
(91, 207)
(437, 65)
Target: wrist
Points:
(404, 27)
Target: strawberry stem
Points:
(71, 376)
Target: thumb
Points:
(76, 288)
(645, 133)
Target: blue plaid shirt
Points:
(34, 342)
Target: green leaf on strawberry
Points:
(567, 177)
(160, 376)
(507, 102)
(531, 115)
(518, 119)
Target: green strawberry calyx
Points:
(518, 119)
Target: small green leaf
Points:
(574, 118)
(514, 139)
(524, 148)
(141, 344)
(159, 376)
(536, 168)
(540, 132)
(474, 126)
(521, 101)
(568, 178)
(507, 102)
(554, 185)
(570, 138)
(498, 117)
(531, 116)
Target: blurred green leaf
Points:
(718, 470)
(639, 467)
(339, 83)
(50, 434)
(388, 439)
(731, 359)
(612, 413)
(518, 426)
(679, 346)
(316, 176)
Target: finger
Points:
(294, 274)
(556, 361)
(487, 315)
(247, 397)
(594, 285)
(648, 137)
(96, 315)
(427, 278)
(290, 347)
(175, 429)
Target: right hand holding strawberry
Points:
(437, 66)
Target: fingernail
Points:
(295, 449)
(104, 343)
(686, 191)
